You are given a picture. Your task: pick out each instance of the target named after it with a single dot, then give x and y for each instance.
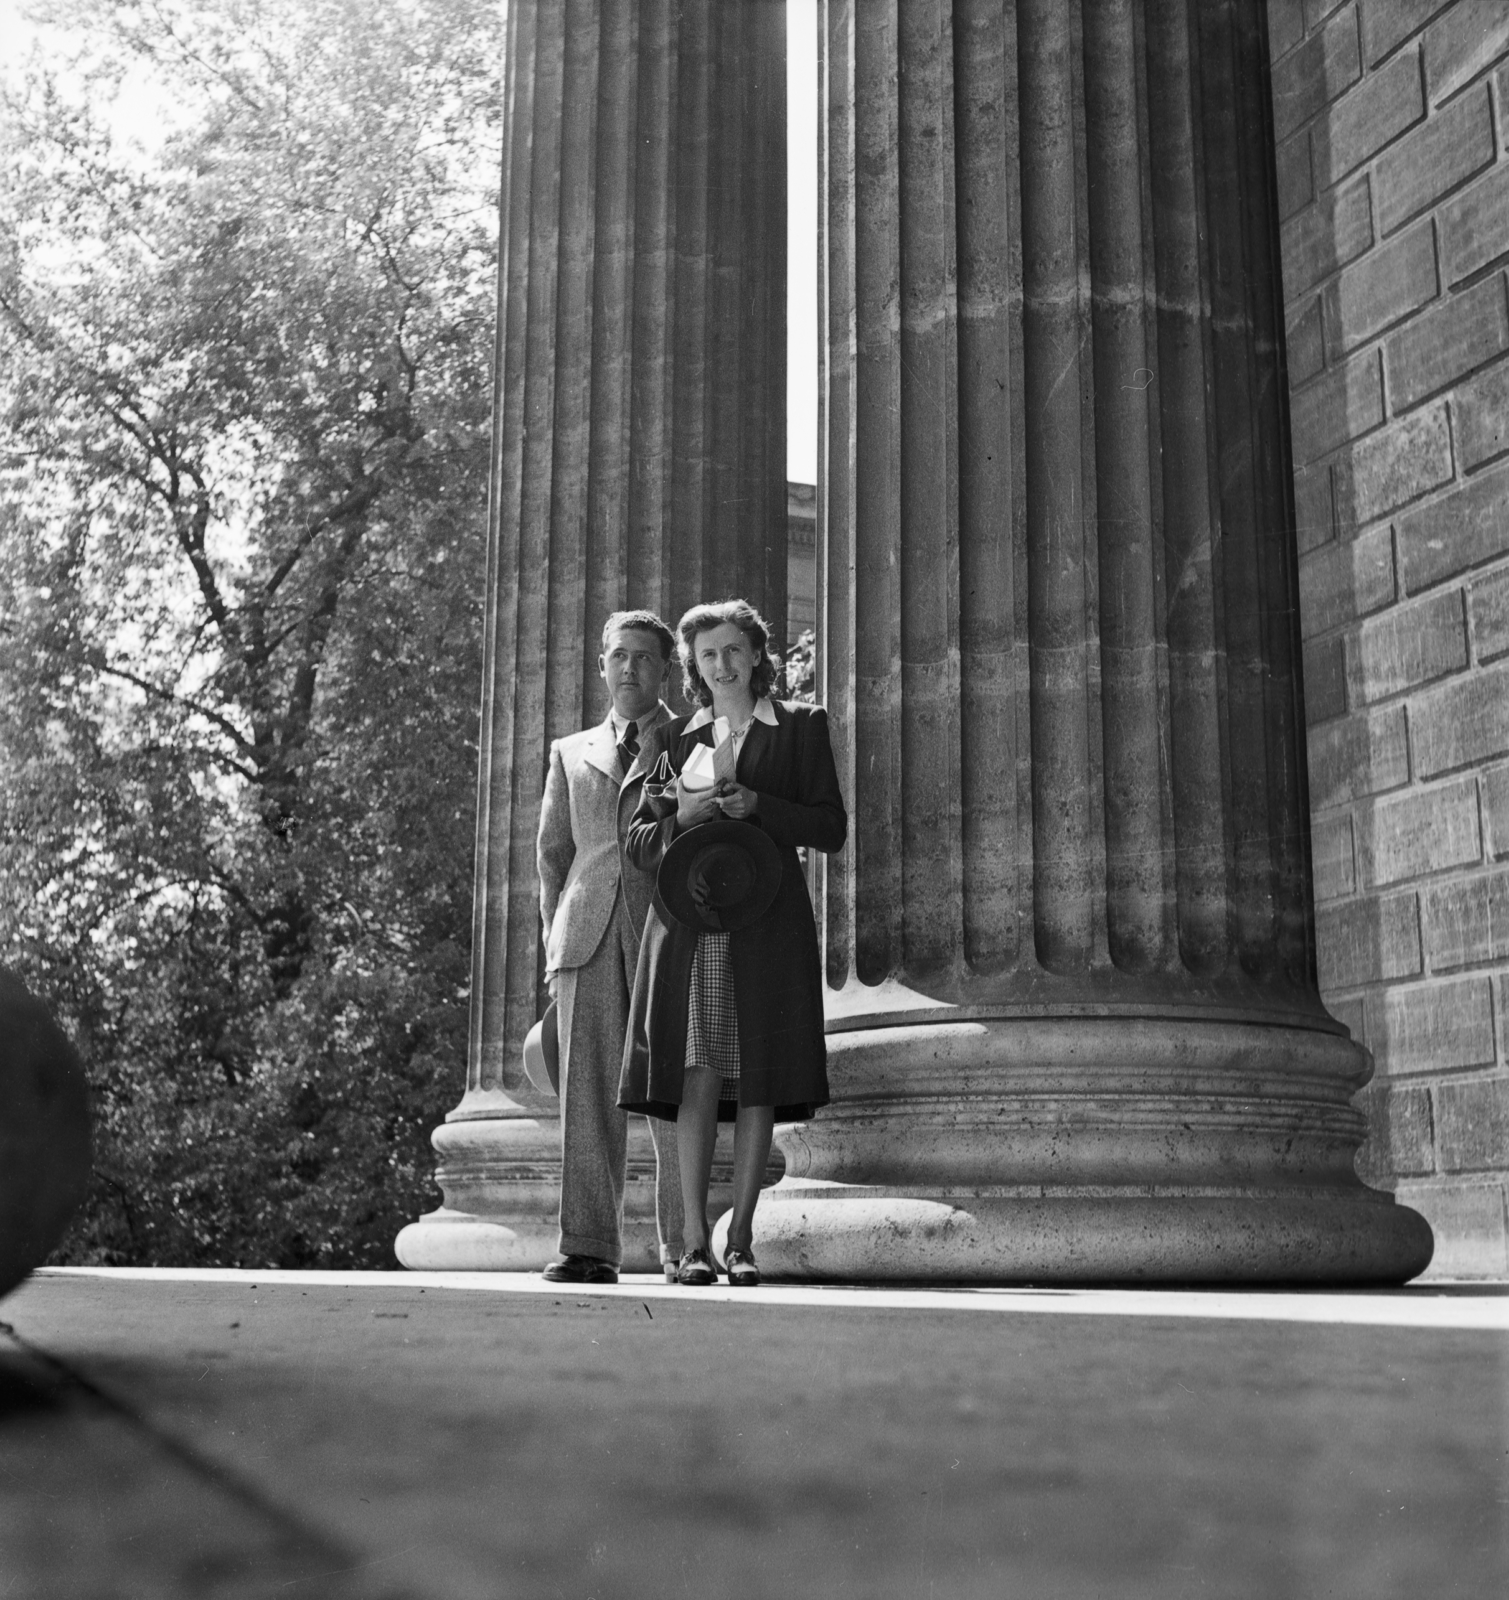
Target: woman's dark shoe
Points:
(580, 1269)
(741, 1269)
(696, 1269)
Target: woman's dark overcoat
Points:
(777, 972)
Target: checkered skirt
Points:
(712, 1015)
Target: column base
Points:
(500, 1174)
(499, 1171)
(841, 1232)
(456, 1241)
(1087, 1150)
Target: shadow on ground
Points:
(247, 1439)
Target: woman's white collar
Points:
(764, 712)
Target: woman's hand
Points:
(694, 805)
(734, 800)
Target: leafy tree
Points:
(244, 387)
(801, 667)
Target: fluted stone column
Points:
(1074, 1025)
(638, 459)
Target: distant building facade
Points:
(1390, 118)
(801, 560)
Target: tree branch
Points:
(190, 531)
(352, 504)
(316, 631)
(189, 54)
(180, 701)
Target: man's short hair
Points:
(645, 622)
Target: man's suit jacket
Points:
(583, 819)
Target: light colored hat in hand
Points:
(542, 1053)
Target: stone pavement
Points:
(474, 1436)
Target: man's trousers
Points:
(592, 1013)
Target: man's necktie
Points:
(628, 747)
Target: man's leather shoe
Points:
(580, 1269)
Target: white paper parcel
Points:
(699, 771)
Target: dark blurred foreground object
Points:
(44, 1131)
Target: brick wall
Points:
(1393, 176)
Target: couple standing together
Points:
(682, 1020)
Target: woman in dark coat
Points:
(730, 1025)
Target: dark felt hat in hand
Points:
(735, 864)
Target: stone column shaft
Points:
(638, 460)
(1075, 1030)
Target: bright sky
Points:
(801, 307)
(801, 249)
(14, 33)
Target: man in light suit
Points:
(594, 905)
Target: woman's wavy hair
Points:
(702, 619)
